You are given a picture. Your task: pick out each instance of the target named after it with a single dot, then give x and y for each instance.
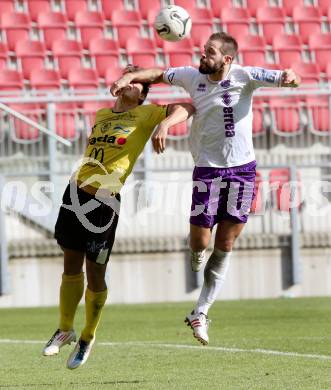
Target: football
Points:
(173, 23)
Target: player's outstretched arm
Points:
(290, 79)
(152, 75)
(176, 113)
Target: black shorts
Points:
(87, 228)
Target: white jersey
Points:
(221, 132)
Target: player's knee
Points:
(225, 245)
(198, 244)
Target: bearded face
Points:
(206, 68)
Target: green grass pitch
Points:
(153, 349)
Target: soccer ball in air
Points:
(173, 23)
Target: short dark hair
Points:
(230, 45)
(146, 86)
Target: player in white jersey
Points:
(222, 148)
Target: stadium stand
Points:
(66, 121)
(178, 53)
(37, 6)
(127, 24)
(280, 182)
(91, 25)
(142, 51)
(53, 26)
(308, 20)
(105, 53)
(202, 24)
(74, 6)
(288, 49)
(236, 21)
(258, 110)
(22, 132)
(6, 6)
(252, 49)
(31, 55)
(44, 79)
(286, 116)
(10, 80)
(80, 78)
(16, 27)
(272, 20)
(109, 6)
(309, 72)
(253, 5)
(68, 54)
(3, 55)
(319, 114)
(146, 6)
(320, 45)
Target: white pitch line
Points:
(185, 346)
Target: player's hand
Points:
(289, 78)
(121, 83)
(159, 138)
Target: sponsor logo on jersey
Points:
(228, 121)
(105, 126)
(261, 74)
(226, 98)
(201, 87)
(107, 139)
(171, 77)
(225, 84)
(97, 154)
(120, 129)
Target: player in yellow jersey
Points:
(88, 217)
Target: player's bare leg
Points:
(198, 241)
(71, 292)
(95, 298)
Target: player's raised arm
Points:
(290, 79)
(152, 75)
(176, 113)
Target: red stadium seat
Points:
(90, 26)
(17, 27)
(308, 20)
(324, 5)
(6, 6)
(145, 6)
(45, 79)
(74, 6)
(253, 5)
(179, 53)
(113, 74)
(321, 46)
(35, 7)
(106, 53)
(236, 21)
(288, 5)
(108, 7)
(217, 5)
(258, 108)
(142, 51)
(127, 24)
(288, 49)
(202, 24)
(285, 116)
(272, 20)
(309, 72)
(280, 182)
(53, 26)
(31, 54)
(22, 132)
(328, 71)
(66, 120)
(10, 80)
(319, 114)
(252, 49)
(81, 78)
(3, 55)
(178, 131)
(257, 204)
(186, 4)
(68, 54)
